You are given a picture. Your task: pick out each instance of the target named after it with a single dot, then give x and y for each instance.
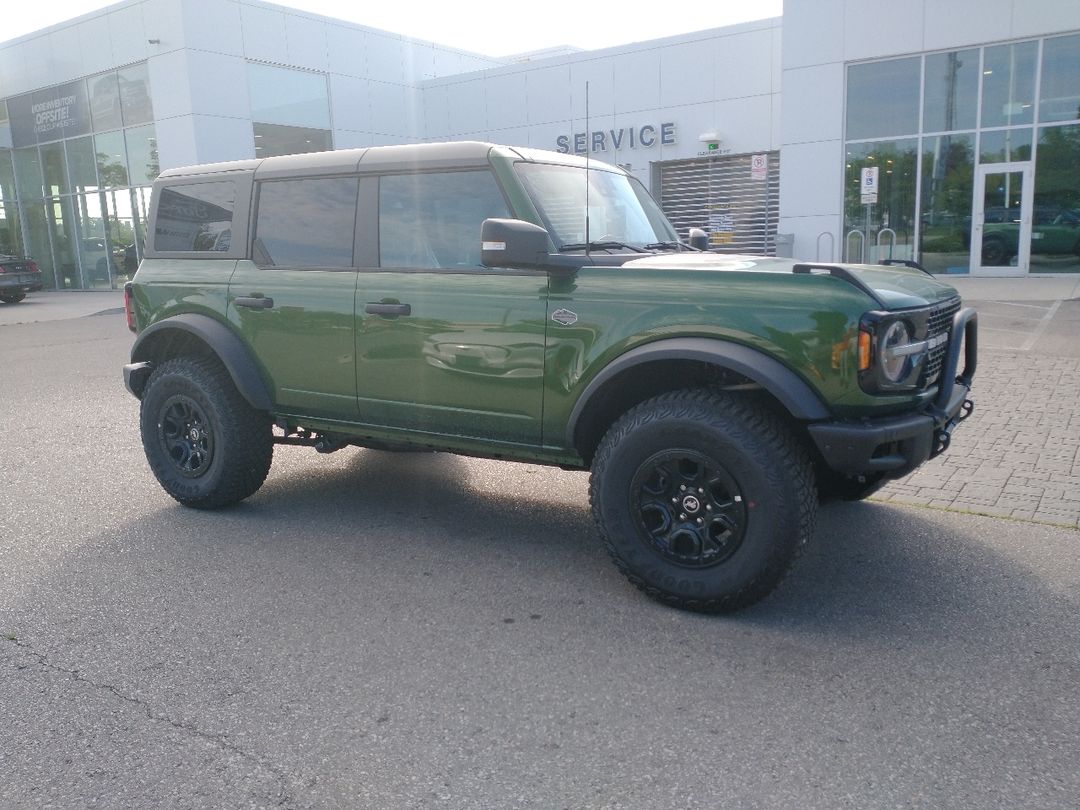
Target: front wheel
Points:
(206, 445)
(703, 501)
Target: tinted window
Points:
(883, 98)
(306, 223)
(1008, 84)
(951, 91)
(433, 220)
(195, 217)
(1060, 79)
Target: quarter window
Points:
(306, 223)
(194, 217)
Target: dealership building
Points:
(945, 132)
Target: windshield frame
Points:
(646, 211)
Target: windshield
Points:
(620, 209)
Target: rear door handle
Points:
(254, 302)
(388, 309)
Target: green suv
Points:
(531, 306)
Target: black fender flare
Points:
(223, 342)
(792, 391)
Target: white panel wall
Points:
(263, 31)
(218, 85)
(170, 85)
(222, 138)
(305, 39)
(726, 80)
(223, 36)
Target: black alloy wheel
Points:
(688, 508)
(186, 435)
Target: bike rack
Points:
(892, 242)
(832, 247)
(862, 243)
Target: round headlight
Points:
(894, 366)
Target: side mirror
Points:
(514, 243)
(699, 239)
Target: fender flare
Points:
(223, 342)
(792, 391)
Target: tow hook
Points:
(965, 410)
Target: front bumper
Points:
(894, 446)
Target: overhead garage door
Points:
(734, 198)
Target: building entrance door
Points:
(1001, 219)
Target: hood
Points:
(896, 287)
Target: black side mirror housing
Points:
(514, 243)
(699, 239)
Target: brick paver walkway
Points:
(1019, 454)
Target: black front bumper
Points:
(894, 446)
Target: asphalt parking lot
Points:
(416, 630)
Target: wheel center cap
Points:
(195, 434)
(691, 504)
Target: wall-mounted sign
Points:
(49, 115)
(601, 140)
(759, 167)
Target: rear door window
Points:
(307, 222)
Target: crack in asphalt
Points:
(284, 799)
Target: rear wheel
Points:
(206, 445)
(12, 298)
(703, 501)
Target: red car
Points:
(17, 278)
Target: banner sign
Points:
(49, 115)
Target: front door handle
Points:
(254, 302)
(388, 309)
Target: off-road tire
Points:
(751, 462)
(205, 444)
(12, 298)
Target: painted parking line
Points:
(1040, 327)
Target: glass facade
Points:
(75, 184)
(290, 110)
(959, 134)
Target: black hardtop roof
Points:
(404, 157)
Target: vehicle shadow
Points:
(872, 569)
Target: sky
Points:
(488, 27)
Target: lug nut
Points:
(682, 487)
(682, 517)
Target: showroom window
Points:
(85, 152)
(872, 113)
(1008, 94)
(973, 136)
(290, 110)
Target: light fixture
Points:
(709, 137)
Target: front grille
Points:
(940, 321)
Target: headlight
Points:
(891, 351)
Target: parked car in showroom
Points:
(18, 277)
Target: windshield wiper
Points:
(678, 246)
(601, 246)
